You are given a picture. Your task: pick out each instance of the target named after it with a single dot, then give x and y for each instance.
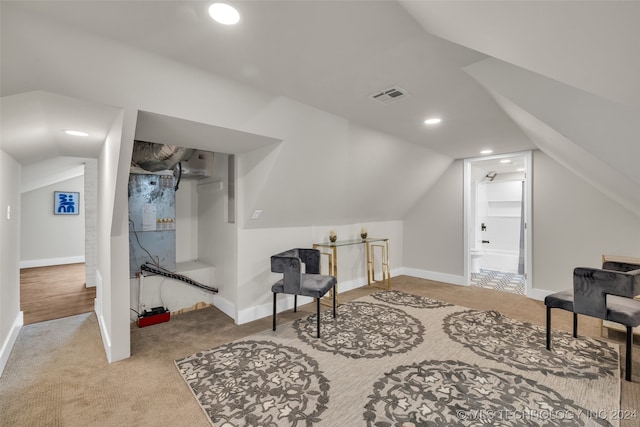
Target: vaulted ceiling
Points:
(480, 66)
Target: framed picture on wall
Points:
(66, 203)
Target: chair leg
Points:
(295, 303)
(334, 302)
(274, 310)
(575, 325)
(548, 328)
(318, 310)
(627, 369)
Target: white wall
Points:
(433, 230)
(573, 225)
(111, 283)
(258, 245)
(90, 221)
(48, 239)
(217, 242)
(328, 170)
(502, 212)
(10, 314)
(187, 221)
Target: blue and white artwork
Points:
(66, 203)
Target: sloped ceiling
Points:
(32, 132)
(332, 55)
(565, 72)
(590, 45)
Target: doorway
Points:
(54, 259)
(497, 208)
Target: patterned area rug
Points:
(394, 359)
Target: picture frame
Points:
(66, 203)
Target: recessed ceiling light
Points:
(75, 132)
(433, 121)
(224, 13)
(505, 161)
(520, 169)
(486, 152)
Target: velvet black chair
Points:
(310, 283)
(606, 294)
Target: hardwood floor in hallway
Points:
(54, 292)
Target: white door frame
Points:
(528, 169)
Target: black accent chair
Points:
(310, 283)
(606, 294)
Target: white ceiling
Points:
(589, 45)
(33, 125)
(334, 54)
(331, 55)
(32, 131)
(161, 129)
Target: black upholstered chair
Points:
(606, 294)
(310, 283)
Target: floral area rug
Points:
(394, 359)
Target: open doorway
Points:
(53, 281)
(497, 210)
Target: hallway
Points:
(54, 292)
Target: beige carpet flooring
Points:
(57, 374)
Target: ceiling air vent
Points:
(389, 95)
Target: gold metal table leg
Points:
(385, 268)
(333, 271)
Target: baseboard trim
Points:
(286, 302)
(539, 294)
(8, 344)
(106, 339)
(225, 306)
(51, 261)
(435, 276)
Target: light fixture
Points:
(486, 152)
(520, 169)
(505, 161)
(224, 13)
(432, 121)
(75, 132)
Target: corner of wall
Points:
(8, 344)
(225, 306)
(106, 338)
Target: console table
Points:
(371, 244)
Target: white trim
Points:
(528, 156)
(265, 310)
(106, 339)
(435, 276)
(51, 261)
(528, 267)
(286, 303)
(8, 344)
(224, 306)
(539, 294)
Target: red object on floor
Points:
(152, 320)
